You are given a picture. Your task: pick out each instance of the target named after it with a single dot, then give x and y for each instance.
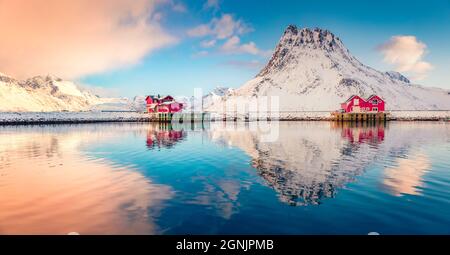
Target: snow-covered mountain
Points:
(191, 103)
(49, 93)
(216, 95)
(312, 70)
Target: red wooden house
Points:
(165, 104)
(358, 104)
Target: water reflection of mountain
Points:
(164, 136)
(311, 161)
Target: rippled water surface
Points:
(285, 178)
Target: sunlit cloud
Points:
(221, 28)
(234, 46)
(73, 39)
(406, 54)
(226, 29)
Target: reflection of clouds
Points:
(407, 176)
(57, 190)
(221, 195)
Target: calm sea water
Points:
(285, 178)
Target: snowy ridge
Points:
(49, 94)
(216, 95)
(312, 70)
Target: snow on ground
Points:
(70, 117)
(87, 117)
(326, 115)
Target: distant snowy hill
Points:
(312, 70)
(48, 93)
(216, 95)
(207, 100)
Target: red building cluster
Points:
(357, 104)
(165, 104)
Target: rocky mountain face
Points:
(312, 70)
(49, 93)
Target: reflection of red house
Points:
(163, 104)
(364, 134)
(358, 104)
(163, 137)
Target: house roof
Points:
(373, 96)
(159, 97)
(350, 98)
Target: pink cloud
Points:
(406, 53)
(75, 38)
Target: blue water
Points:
(309, 178)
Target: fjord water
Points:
(226, 178)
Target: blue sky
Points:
(362, 25)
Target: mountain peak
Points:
(220, 91)
(296, 42)
(291, 29)
(5, 78)
(317, 37)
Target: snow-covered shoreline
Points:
(20, 118)
(25, 118)
(326, 116)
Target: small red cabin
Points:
(357, 104)
(165, 104)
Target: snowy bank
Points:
(16, 118)
(9, 118)
(420, 115)
(326, 115)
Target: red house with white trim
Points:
(357, 104)
(165, 104)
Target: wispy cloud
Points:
(406, 54)
(212, 4)
(226, 29)
(201, 53)
(208, 43)
(234, 46)
(75, 38)
(200, 31)
(178, 7)
(220, 28)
